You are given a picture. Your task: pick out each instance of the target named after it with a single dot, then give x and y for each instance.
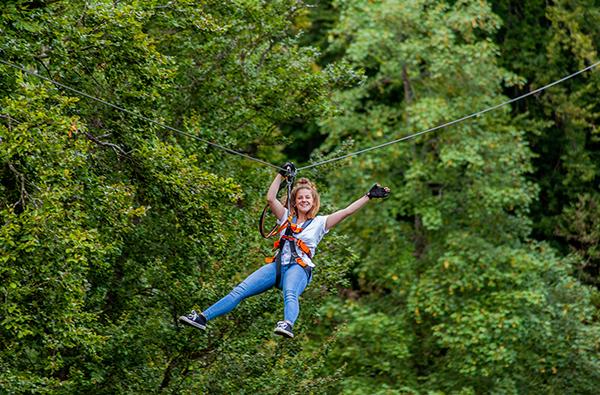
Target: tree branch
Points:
(118, 150)
(24, 195)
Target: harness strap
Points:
(291, 229)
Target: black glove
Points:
(287, 169)
(378, 192)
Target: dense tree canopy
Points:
(480, 274)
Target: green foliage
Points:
(581, 229)
(486, 305)
(500, 317)
(544, 42)
(112, 226)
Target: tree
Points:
(542, 43)
(112, 225)
(485, 306)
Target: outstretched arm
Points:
(339, 216)
(376, 192)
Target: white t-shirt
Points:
(311, 236)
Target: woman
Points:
(291, 268)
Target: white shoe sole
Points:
(283, 332)
(187, 321)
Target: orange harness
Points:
(291, 229)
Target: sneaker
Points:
(284, 328)
(194, 319)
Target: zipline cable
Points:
(135, 114)
(476, 114)
(231, 151)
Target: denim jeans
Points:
(293, 282)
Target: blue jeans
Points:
(293, 282)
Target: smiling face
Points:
(304, 201)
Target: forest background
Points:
(480, 274)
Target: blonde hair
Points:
(305, 183)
